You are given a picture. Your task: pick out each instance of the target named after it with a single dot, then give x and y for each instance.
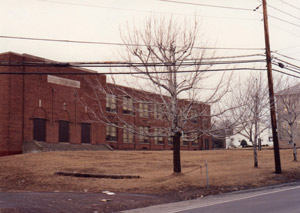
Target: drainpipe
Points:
(23, 99)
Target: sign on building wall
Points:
(63, 81)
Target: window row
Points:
(128, 107)
(143, 135)
(142, 108)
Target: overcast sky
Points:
(100, 21)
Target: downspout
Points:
(23, 99)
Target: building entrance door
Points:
(85, 133)
(63, 131)
(39, 125)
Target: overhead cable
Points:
(143, 11)
(283, 12)
(208, 5)
(130, 73)
(119, 44)
(123, 64)
(291, 5)
(295, 59)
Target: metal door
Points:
(85, 133)
(39, 125)
(63, 131)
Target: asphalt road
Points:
(283, 199)
(73, 202)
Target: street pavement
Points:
(74, 202)
(280, 199)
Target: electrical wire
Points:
(208, 5)
(284, 64)
(286, 48)
(111, 8)
(286, 56)
(148, 73)
(291, 33)
(286, 73)
(282, 20)
(118, 44)
(123, 64)
(283, 12)
(143, 11)
(291, 5)
(129, 73)
(292, 70)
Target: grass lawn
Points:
(228, 170)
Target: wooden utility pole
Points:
(271, 91)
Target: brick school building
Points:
(47, 102)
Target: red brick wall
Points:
(34, 97)
(4, 118)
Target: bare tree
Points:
(165, 60)
(288, 111)
(251, 118)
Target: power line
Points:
(123, 64)
(143, 73)
(129, 73)
(112, 8)
(288, 63)
(283, 12)
(295, 71)
(286, 73)
(287, 56)
(291, 5)
(118, 44)
(143, 11)
(288, 47)
(294, 34)
(208, 5)
(233, 56)
(282, 20)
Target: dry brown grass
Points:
(227, 168)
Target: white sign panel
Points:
(63, 81)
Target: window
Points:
(128, 135)
(195, 139)
(158, 138)
(184, 140)
(205, 122)
(206, 144)
(143, 109)
(144, 131)
(127, 105)
(170, 139)
(158, 111)
(195, 143)
(194, 116)
(111, 103)
(111, 133)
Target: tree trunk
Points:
(255, 146)
(292, 141)
(176, 153)
(255, 154)
(295, 152)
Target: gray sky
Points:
(100, 20)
